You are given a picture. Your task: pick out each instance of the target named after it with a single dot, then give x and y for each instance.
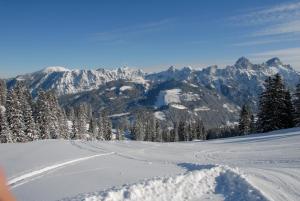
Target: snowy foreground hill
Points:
(255, 167)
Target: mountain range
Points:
(215, 94)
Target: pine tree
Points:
(245, 120)
(15, 117)
(288, 111)
(27, 103)
(3, 92)
(138, 129)
(200, 130)
(252, 124)
(158, 133)
(92, 128)
(63, 124)
(275, 109)
(82, 121)
(5, 135)
(107, 127)
(75, 131)
(297, 105)
(265, 108)
(100, 132)
(43, 115)
(181, 131)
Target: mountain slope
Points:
(215, 94)
(65, 81)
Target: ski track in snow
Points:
(257, 167)
(30, 176)
(199, 182)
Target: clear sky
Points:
(145, 34)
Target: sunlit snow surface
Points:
(256, 167)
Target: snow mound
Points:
(177, 106)
(124, 88)
(160, 115)
(52, 69)
(168, 96)
(219, 182)
(119, 115)
(202, 108)
(229, 108)
(190, 97)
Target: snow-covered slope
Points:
(255, 167)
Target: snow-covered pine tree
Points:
(92, 128)
(175, 132)
(15, 117)
(30, 126)
(3, 92)
(100, 130)
(81, 114)
(181, 130)
(245, 120)
(138, 127)
(200, 130)
(166, 135)
(5, 134)
(158, 132)
(107, 127)
(253, 125)
(43, 115)
(54, 112)
(75, 132)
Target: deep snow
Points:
(255, 167)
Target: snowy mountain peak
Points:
(243, 62)
(52, 69)
(187, 69)
(171, 69)
(274, 62)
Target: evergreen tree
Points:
(15, 117)
(245, 120)
(5, 135)
(288, 111)
(3, 92)
(75, 131)
(100, 132)
(181, 131)
(107, 127)
(43, 118)
(252, 124)
(297, 105)
(275, 106)
(92, 128)
(158, 134)
(30, 126)
(200, 132)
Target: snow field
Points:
(255, 167)
(220, 181)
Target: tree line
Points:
(23, 119)
(148, 128)
(276, 109)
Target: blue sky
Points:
(151, 35)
